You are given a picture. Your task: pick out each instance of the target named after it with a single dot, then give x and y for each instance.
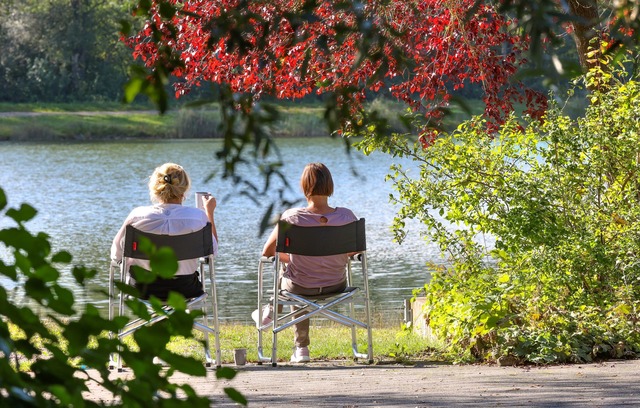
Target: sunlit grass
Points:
(329, 342)
(63, 127)
(105, 121)
(72, 107)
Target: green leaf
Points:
(153, 339)
(36, 289)
(492, 322)
(187, 365)
(127, 289)
(235, 395)
(164, 262)
(8, 271)
(133, 88)
(47, 273)
(182, 322)
(62, 257)
(226, 373)
(138, 308)
(143, 275)
(176, 301)
(81, 274)
(504, 278)
(63, 300)
(167, 11)
(24, 213)
(125, 27)
(3, 199)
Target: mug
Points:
(240, 356)
(199, 196)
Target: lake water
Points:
(83, 192)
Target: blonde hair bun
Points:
(168, 183)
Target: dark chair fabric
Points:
(317, 241)
(195, 245)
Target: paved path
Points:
(340, 384)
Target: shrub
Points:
(60, 366)
(540, 226)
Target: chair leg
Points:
(216, 338)
(207, 344)
(274, 349)
(261, 356)
(370, 344)
(354, 343)
(207, 351)
(216, 328)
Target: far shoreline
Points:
(142, 125)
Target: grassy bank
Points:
(107, 121)
(329, 342)
(73, 107)
(58, 125)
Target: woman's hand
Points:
(209, 203)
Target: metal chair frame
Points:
(198, 244)
(316, 241)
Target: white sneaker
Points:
(160, 362)
(300, 355)
(267, 316)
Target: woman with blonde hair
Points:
(168, 187)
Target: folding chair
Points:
(198, 244)
(316, 241)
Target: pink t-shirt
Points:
(317, 271)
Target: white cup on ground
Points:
(240, 356)
(199, 196)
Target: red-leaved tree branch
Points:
(419, 52)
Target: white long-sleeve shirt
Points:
(168, 219)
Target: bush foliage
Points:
(540, 225)
(60, 368)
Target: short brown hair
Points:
(316, 180)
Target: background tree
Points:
(62, 50)
(422, 51)
(538, 227)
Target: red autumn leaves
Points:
(419, 52)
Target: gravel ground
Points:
(344, 384)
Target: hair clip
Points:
(167, 178)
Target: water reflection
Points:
(84, 191)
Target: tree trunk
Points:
(586, 14)
(78, 56)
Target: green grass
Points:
(59, 127)
(73, 107)
(329, 341)
(106, 121)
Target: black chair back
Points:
(187, 246)
(321, 240)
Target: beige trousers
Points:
(301, 330)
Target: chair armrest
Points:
(267, 259)
(356, 257)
